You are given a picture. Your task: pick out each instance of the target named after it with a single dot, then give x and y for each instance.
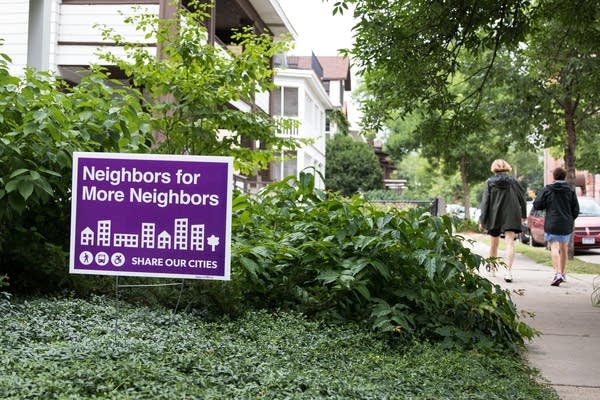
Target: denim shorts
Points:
(550, 237)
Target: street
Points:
(590, 256)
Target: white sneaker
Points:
(508, 277)
(558, 279)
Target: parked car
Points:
(456, 209)
(475, 214)
(587, 225)
(525, 236)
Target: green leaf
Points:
(382, 268)
(328, 276)
(364, 291)
(250, 265)
(17, 203)
(25, 188)
(261, 251)
(11, 186)
(18, 172)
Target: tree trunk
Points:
(465, 186)
(569, 108)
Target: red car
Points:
(587, 225)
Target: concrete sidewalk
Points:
(568, 351)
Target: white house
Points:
(334, 73)
(61, 36)
(301, 95)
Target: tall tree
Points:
(412, 50)
(351, 166)
(561, 57)
(452, 142)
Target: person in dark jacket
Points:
(560, 202)
(502, 211)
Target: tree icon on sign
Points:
(213, 241)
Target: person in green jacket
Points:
(503, 210)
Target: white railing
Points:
(290, 131)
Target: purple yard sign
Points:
(151, 215)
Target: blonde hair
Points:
(500, 165)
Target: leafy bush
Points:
(402, 271)
(42, 122)
(382, 194)
(101, 349)
(187, 99)
(466, 225)
(4, 296)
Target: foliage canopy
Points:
(352, 166)
(413, 53)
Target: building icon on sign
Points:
(180, 234)
(125, 240)
(164, 240)
(87, 237)
(103, 233)
(148, 230)
(185, 236)
(197, 237)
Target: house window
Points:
(285, 102)
(290, 102)
(288, 166)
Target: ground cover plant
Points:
(60, 348)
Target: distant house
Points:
(586, 183)
(334, 73)
(301, 96)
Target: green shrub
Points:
(466, 225)
(4, 296)
(401, 271)
(382, 194)
(42, 122)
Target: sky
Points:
(323, 33)
(318, 29)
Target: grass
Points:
(542, 256)
(100, 349)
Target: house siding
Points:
(14, 16)
(80, 31)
